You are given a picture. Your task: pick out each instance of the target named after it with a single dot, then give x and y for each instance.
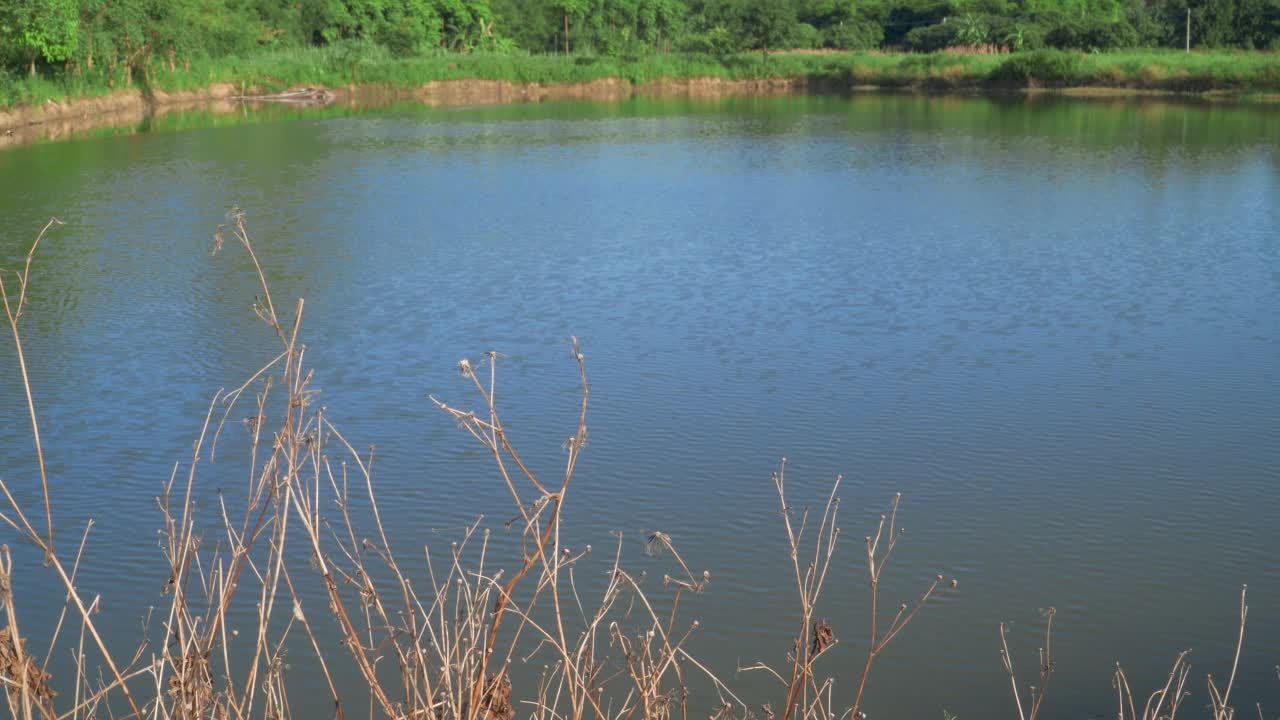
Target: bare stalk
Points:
(1220, 700)
(1031, 711)
(877, 559)
(14, 313)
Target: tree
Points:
(531, 24)
(41, 28)
(906, 16)
(571, 10)
(184, 28)
(660, 20)
(465, 23)
(932, 38)
(401, 26)
(1214, 23)
(116, 31)
(765, 24)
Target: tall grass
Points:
(432, 638)
(343, 65)
(1137, 69)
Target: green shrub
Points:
(932, 38)
(1151, 31)
(1092, 35)
(972, 29)
(908, 16)
(804, 35)
(1033, 35)
(1007, 31)
(856, 35)
(1039, 67)
(9, 93)
(717, 42)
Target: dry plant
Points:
(813, 639)
(439, 648)
(978, 49)
(650, 678)
(807, 696)
(27, 691)
(877, 558)
(1163, 703)
(442, 653)
(1037, 693)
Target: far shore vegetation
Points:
(334, 67)
(67, 49)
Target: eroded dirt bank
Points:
(53, 120)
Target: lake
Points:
(1053, 325)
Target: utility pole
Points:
(1188, 28)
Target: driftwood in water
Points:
(305, 96)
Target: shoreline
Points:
(52, 120)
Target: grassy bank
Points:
(1236, 72)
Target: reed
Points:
(1165, 701)
(435, 638)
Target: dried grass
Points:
(440, 649)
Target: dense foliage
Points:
(110, 42)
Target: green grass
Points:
(1171, 70)
(344, 65)
(27, 90)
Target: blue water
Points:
(1052, 325)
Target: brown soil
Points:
(52, 120)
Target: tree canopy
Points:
(123, 37)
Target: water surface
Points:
(1052, 325)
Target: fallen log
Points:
(304, 95)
